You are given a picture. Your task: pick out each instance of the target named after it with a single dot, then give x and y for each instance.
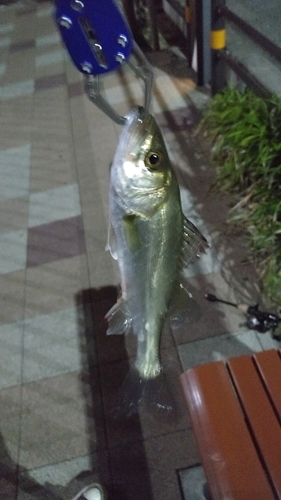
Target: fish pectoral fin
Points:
(183, 309)
(131, 231)
(111, 245)
(119, 319)
(194, 243)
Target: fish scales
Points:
(148, 274)
(147, 236)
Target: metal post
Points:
(129, 10)
(218, 43)
(153, 23)
(189, 16)
(203, 28)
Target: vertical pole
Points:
(153, 22)
(218, 43)
(189, 16)
(203, 28)
(129, 10)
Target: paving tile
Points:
(148, 469)
(10, 409)
(8, 477)
(16, 123)
(166, 95)
(51, 166)
(14, 171)
(51, 57)
(166, 455)
(23, 30)
(13, 251)
(2, 69)
(14, 214)
(49, 39)
(5, 42)
(267, 341)
(132, 93)
(130, 471)
(176, 120)
(44, 11)
(11, 355)
(44, 72)
(18, 89)
(65, 479)
(33, 491)
(63, 472)
(211, 319)
(54, 204)
(47, 82)
(8, 485)
(6, 28)
(56, 425)
(51, 345)
(19, 46)
(54, 241)
(53, 286)
(76, 89)
(25, 11)
(193, 483)
(12, 300)
(218, 348)
(102, 268)
(52, 153)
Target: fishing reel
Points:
(261, 321)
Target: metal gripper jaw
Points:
(99, 41)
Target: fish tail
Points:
(152, 395)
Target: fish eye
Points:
(153, 160)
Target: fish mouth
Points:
(137, 133)
(141, 120)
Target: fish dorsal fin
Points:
(119, 319)
(193, 243)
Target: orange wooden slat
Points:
(260, 414)
(229, 457)
(269, 366)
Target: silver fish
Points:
(149, 236)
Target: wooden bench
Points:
(235, 410)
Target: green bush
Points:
(245, 131)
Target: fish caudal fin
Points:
(119, 319)
(154, 396)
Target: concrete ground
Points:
(59, 373)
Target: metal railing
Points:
(211, 17)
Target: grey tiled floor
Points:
(59, 373)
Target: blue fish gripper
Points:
(95, 34)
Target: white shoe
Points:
(92, 492)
